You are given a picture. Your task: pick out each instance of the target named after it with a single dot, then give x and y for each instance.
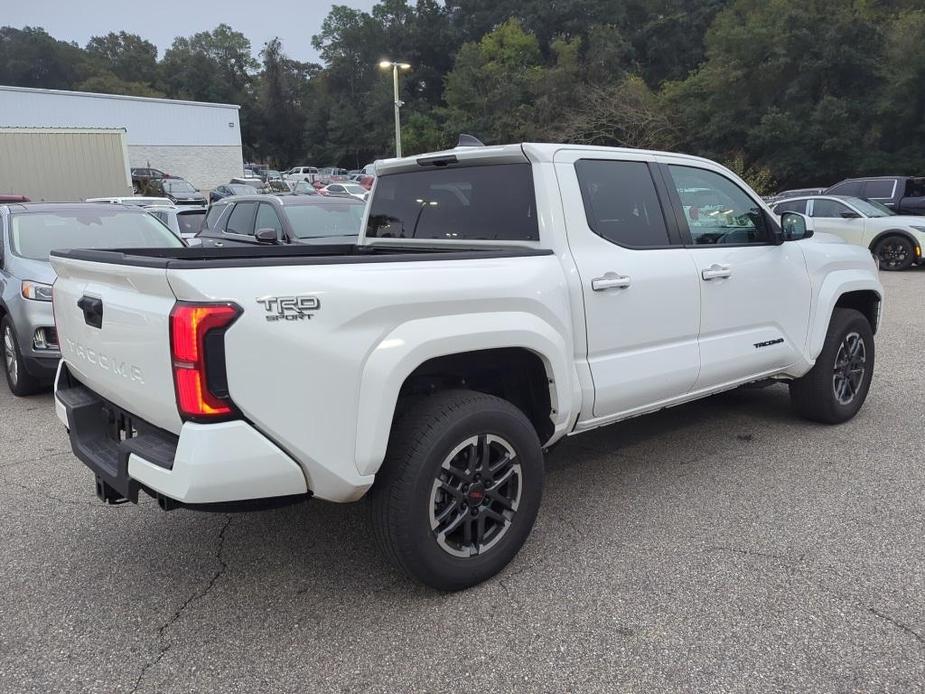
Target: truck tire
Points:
(20, 381)
(894, 253)
(835, 388)
(459, 489)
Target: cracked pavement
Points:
(724, 546)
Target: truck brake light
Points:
(197, 349)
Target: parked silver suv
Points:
(28, 232)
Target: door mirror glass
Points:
(794, 226)
(266, 236)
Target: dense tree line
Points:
(788, 92)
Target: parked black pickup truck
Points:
(902, 194)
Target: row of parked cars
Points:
(882, 213)
(29, 231)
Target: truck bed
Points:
(271, 256)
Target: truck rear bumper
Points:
(205, 464)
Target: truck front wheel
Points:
(459, 489)
(836, 387)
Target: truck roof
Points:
(537, 152)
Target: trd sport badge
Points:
(289, 307)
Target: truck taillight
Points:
(197, 348)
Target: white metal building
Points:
(198, 141)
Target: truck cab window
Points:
(717, 210)
(466, 203)
(621, 203)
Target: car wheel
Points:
(894, 253)
(20, 381)
(835, 388)
(459, 489)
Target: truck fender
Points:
(400, 352)
(834, 286)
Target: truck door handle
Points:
(610, 280)
(716, 272)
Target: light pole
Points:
(385, 65)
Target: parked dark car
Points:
(279, 219)
(228, 189)
(28, 232)
(142, 178)
(179, 191)
(902, 194)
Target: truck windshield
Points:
(490, 203)
(35, 234)
(316, 221)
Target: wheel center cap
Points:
(476, 494)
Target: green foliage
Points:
(788, 92)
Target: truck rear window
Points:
(469, 203)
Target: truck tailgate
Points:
(124, 354)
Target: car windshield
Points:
(178, 186)
(35, 234)
(355, 189)
(242, 189)
(314, 221)
(871, 208)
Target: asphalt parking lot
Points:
(721, 546)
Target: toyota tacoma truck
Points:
(498, 299)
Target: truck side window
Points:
(717, 210)
(879, 189)
(852, 188)
(241, 219)
(621, 204)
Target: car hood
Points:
(35, 270)
(899, 220)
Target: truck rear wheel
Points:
(459, 489)
(835, 388)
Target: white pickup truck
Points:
(498, 299)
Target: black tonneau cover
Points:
(339, 254)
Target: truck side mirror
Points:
(794, 226)
(266, 236)
(850, 214)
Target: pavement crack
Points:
(896, 623)
(196, 595)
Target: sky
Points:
(294, 21)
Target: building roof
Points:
(97, 95)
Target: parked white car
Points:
(895, 240)
(309, 174)
(498, 300)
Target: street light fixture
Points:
(385, 65)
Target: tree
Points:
(127, 56)
(628, 114)
(29, 57)
(490, 90)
